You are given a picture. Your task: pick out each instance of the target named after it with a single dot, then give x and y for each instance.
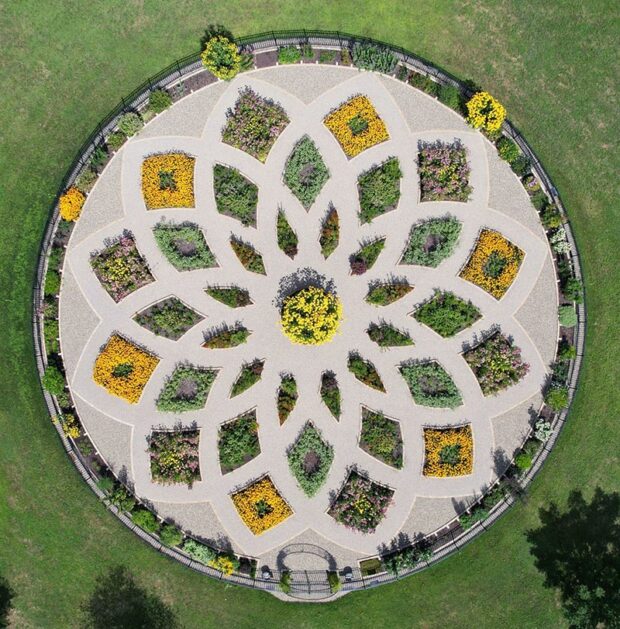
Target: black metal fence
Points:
(303, 584)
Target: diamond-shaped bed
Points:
(305, 172)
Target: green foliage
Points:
(146, 520)
(221, 57)
(451, 97)
(384, 294)
(432, 241)
(309, 459)
(566, 351)
(550, 215)
(122, 499)
(238, 442)
(523, 462)
(186, 389)
(385, 335)
(520, 165)
(235, 196)
(285, 581)
(330, 233)
(381, 437)
(371, 57)
(249, 375)
(365, 257)
(567, 316)
(543, 430)
(556, 398)
(379, 189)
(430, 385)
(115, 140)
(305, 172)
(289, 54)
(159, 100)
(287, 238)
(287, 397)
(226, 338)
(130, 123)
(234, 297)
(53, 380)
(330, 393)
(334, 581)
(401, 561)
(170, 535)
(184, 246)
(327, 56)
(424, 83)
(86, 180)
(447, 314)
(365, 372)
(248, 256)
(200, 552)
(169, 318)
(98, 158)
(478, 514)
(507, 149)
(52, 283)
(572, 289)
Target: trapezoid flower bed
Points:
(386, 335)
(250, 259)
(254, 124)
(235, 195)
(238, 441)
(366, 256)
(432, 241)
(381, 438)
(231, 296)
(309, 459)
(184, 246)
(226, 338)
(174, 456)
(496, 363)
(305, 172)
(260, 506)
(249, 375)
(444, 171)
(123, 368)
(311, 316)
(493, 264)
(356, 125)
(120, 268)
(448, 451)
(379, 189)
(330, 393)
(447, 314)
(361, 503)
(365, 372)
(169, 318)
(186, 389)
(430, 385)
(386, 293)
(168, 181)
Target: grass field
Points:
(64, 64)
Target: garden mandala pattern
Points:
(309, 305)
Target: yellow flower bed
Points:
(485, 112)
(311, 316)
(223, 564)
(361, 109)
(70, 204)
(264, 493)
(436, 439)
(168, 180)
(491, 242)
(123, 368)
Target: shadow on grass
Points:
(578, 552)
(6, 601)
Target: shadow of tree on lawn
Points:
(578, 551)
(6, 601)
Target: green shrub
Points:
(567, 316)
(86, 180)
(305, 172)
(51, 332)
(52, 283)
(405, 559)
(106, 484)
(334, 581)
(520, 165)
(572, 289)
(306, 51)
(447, 314)
(289, 54)
(523, 462)
(386, 335)
(184, 246)
(402, 73)
(507, 149)
(327, 56)
(170, 535)
(98, 158)
(238, 442)
(235, 196)
(379, 189)
(285, 581)
(309, 459)
(221, 57)
(542, 430)
(424, 83)
(159, 100)
(478, 514)
(249, 375)
(371, 57)
(287, 238)
(450, 96)
(557, 398)
(200, 552)
(432, 241)
(146, 520)
(365, 372)
(566, 351)
(130, 123)
(431, 385)
(115, 140)
(550, 215)
(287, 397)
(330, 393)
(53, 380)
(122, 499)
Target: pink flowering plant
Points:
(254, 124)
(444, 171)
(361, 503)
(496, 363)
(174, 456)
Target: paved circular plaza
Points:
(368, 404)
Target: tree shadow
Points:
(578, 552)
(213, 30)
(7, 594)
(119, 601)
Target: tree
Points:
(6, 604)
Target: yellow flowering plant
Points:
(168, 181)
(221, 57)
(70, 426)
(260, 506)
(448, 451)
(224, 564)
(485, 112)
(356, 125)
(493, 264)
(123, 368)
(70, 204)
(311, 316)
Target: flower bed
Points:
(71, 203)
(496, 363)
(248, 256)
(379, 189)
(386, 335)
(235, 196)
(485, 112)
(260, 506)
(431, 242)
(168, 181)
(234, 297)
(186, 389)
(238, 441)
(170, 318)
(254, 124)
(123, 368)
(330, 393)
(443, 171)
(447, 314)
(120, 268)
(365, 372)
(309, 459)
(386, 293)
(305, 172)
(249, 375)
(174, 456)
(226, 338)
(287, 397)
(448, 451)
(365, 257)
(356, 125)
(381, 437)
(287, 238)
(493, 264)
(430, 385)
(184, 246)
(361, 503)
(330, 233)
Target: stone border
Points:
(445, 541)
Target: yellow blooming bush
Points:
(311, 316)
(70, 426)
(123, 368)
(168, 180)
(221, 57)
(485, 112)
(448, 451)
(70, 204)
(356, 125)
(493, 264)
(260, 506)
(224, 564)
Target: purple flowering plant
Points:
(174, 456)
(444, 171)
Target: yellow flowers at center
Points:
(311, 316)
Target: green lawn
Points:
(65, 64)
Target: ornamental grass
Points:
(168, 181)
(311, 316)
(70, 204)
(123, 368)
(485, 112)
(493, 264)
(260, 506)
(356, 125)
(448, 451)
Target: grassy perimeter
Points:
(64, 64)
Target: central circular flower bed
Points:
(311, 316)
